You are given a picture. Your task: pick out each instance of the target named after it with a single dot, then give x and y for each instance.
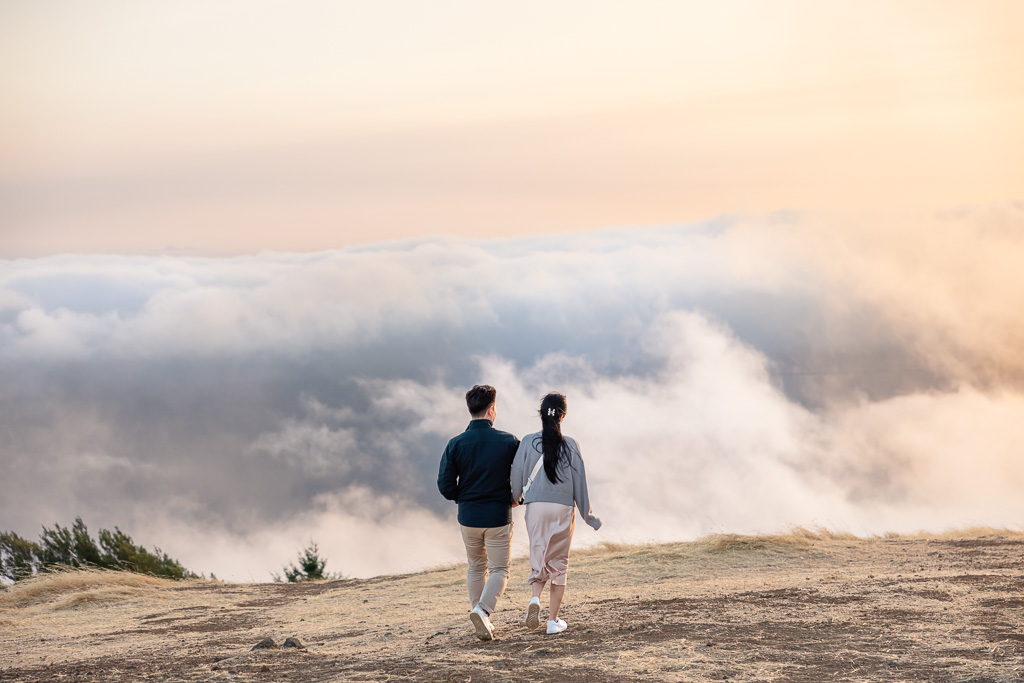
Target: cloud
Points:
(740, 374)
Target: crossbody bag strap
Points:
(533, 475)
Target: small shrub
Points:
(310, 568)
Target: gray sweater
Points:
(572, 488)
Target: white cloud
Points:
(740, 375)
(360, 532)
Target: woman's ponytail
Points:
(554, 448)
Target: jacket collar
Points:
(480, 424)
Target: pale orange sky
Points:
(231, 127)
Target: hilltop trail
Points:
(802, 606)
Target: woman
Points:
(548, 476)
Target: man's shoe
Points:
(556, 626)
(481, 623)
(533, 614)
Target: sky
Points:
(252, 256)
(238, 126)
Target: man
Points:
(474, 473)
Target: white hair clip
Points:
(551, 412)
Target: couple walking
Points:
(488, 472)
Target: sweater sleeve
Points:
(580, 494)
(518, 469)
(448, 476)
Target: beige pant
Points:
(488, 551)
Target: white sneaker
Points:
(533, 613)
(481, 623)
(556, 626)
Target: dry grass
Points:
(803, 605)
(796, 538)
(65, 588)
(965, 532)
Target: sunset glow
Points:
(240, 126)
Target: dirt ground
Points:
(796, 607)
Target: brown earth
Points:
(796, 607)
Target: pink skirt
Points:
(550, 527)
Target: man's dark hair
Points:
(480, 398)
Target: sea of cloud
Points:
(742, 374)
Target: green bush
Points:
(74, 547)
(310, 568)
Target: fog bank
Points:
(741, 374)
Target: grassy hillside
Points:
(801, 606)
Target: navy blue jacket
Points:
(475, 471)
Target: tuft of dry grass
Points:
(66, 588)
(796, 538)
(618, 546)
(605, 548)
(961, 533)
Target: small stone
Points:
(265, 644)
(265, 669)
(294, 642)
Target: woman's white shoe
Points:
(533, 614)
(556, 626)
